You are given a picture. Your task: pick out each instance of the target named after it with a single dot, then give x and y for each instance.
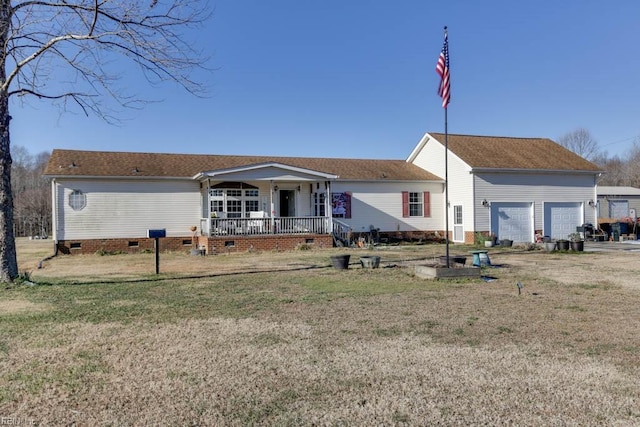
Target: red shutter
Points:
(427, 204)
(405, 204)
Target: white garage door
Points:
(513, 221)
(561, 219)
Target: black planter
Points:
(341, 262)
(563, 245)
(577, 246)
(453, 259)
(507, 243)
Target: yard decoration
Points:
(194, 241)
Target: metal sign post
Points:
(156, 235)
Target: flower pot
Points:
(341, 262)
(370, 261)
(577, 246)
(549, 246)
(507, 243)
(563, 245)
(488, 243)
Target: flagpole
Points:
(445, 95)
(444, 90)
(446, 180)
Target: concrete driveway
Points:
(629, 245)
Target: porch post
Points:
(207, 200)
(328, 206)
(272, 208)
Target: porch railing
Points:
(342, 232)
(277, 225)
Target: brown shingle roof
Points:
(125, 164)
(514, 153)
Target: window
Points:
(416, 204)
(319, 206)
(457, 215)
(251, 202)
(216, 199)
(458, 229)
(235, 201)
(77, 200)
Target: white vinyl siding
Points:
(531, 188)
(460, 179)
(127, 208)
(379, 204)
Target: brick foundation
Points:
(225, 244)
(133, 245)
(211, 244)
(270, 242)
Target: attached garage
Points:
(512, 220)
(562, 218)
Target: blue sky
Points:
(339, 78)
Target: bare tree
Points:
(31, 194)
(64, 51)
(613, 167)
(580, 142)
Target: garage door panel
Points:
(561, 218)
(512, 221)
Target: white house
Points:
(512, 187)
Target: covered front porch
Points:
(269, 199)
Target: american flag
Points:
(443, 71)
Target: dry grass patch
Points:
(283, 339)
(20, 306)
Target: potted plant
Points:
(549, 246)
(481, 239)
(577, 243)
(562, 244)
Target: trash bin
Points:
(615, 231)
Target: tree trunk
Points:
(8, 260)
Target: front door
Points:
(287, 201)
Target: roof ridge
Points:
(268, 157)
(491, 136)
